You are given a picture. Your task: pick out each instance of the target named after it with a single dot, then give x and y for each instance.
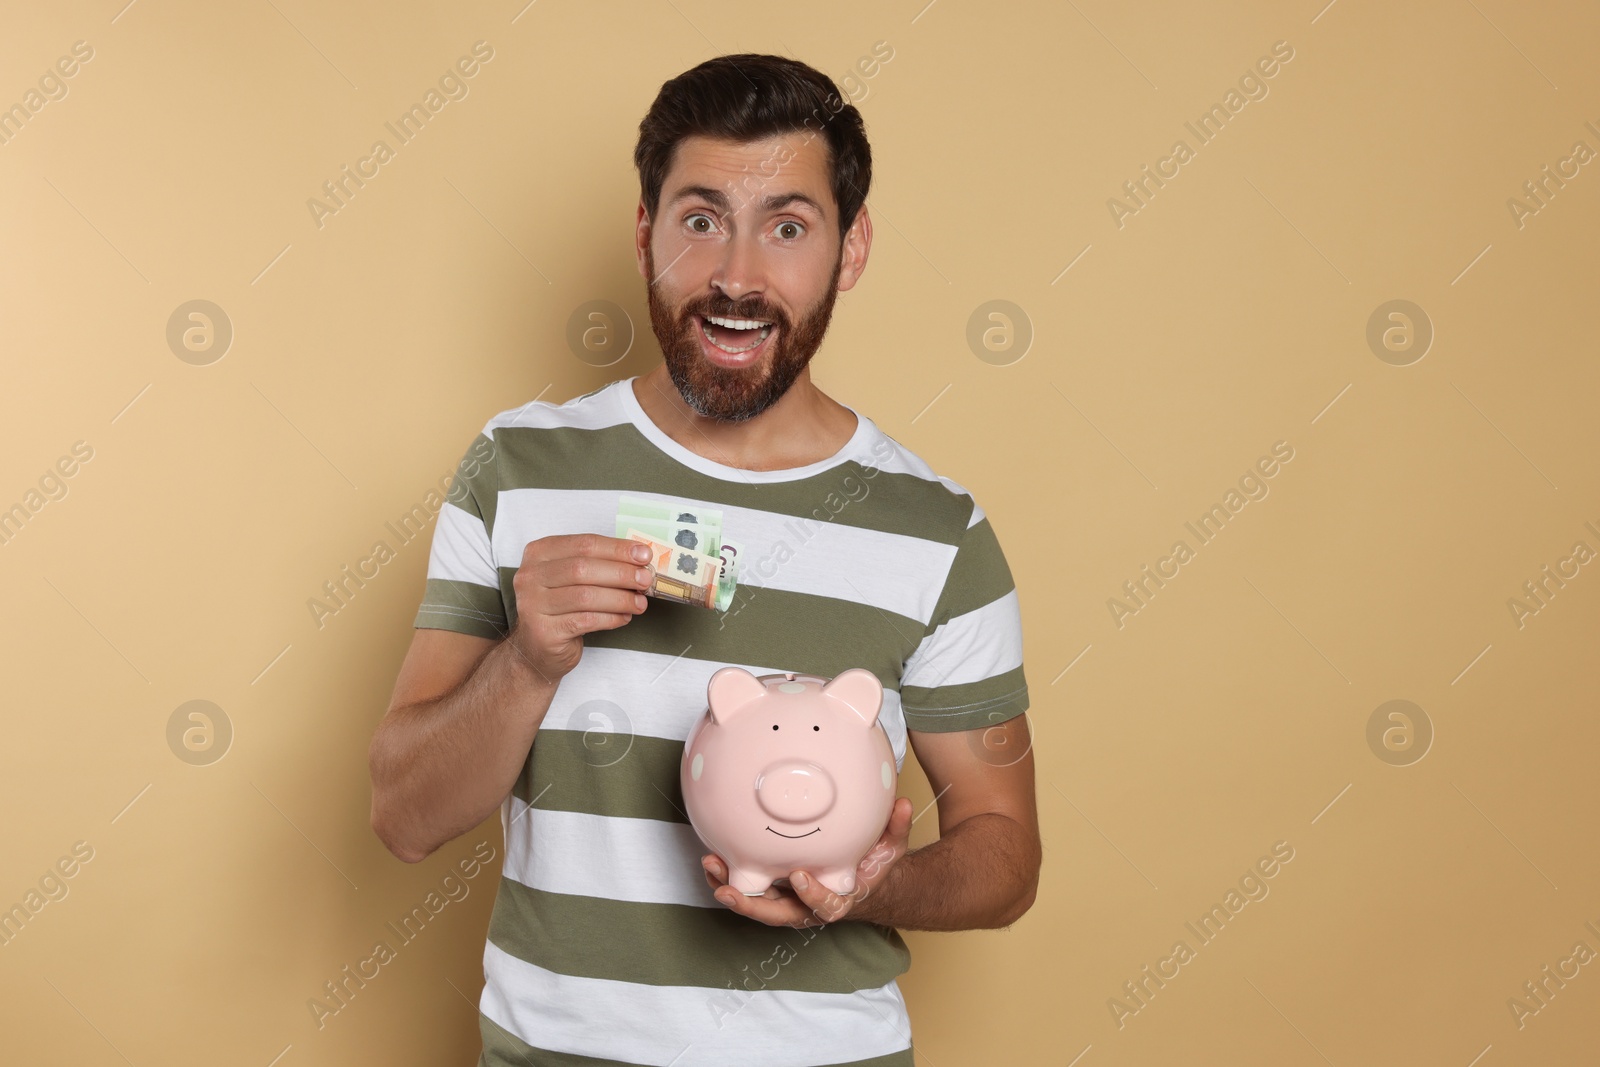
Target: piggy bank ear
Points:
(860, 689)
(731, 690)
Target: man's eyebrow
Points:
(719, 200)
(781, 201)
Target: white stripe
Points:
(689, 1025)
(647, 694)
(461, 551)
(646, 861)
(969, 648)
(894, 572)
(595, 412)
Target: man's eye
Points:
(795, 226)
(694, 225)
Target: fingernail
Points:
(640, 552)
(800, 882)
(644, 576)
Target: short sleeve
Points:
(966, 673)
(463, 585)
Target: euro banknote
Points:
(681, 574)
(695, 533)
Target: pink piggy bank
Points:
(789, 772)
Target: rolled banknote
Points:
(682, 574)
(687, 525)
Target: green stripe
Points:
(501, 1048)
(462, 606)
(472, 486)
(789, 631)
(616, 774)
(620, 458)
(682, 945)
(978, 576)
(969, 706)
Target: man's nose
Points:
(741, 272)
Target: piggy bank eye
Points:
(774, 726)
(816, 727)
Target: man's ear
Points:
(853, 250)
(641, 238)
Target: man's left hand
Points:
(807, 902)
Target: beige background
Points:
(1229, 313)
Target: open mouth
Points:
(808, 833)
(732, 342)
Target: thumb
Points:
(899, 827)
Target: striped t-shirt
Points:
(605, 945)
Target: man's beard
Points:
(733, 394)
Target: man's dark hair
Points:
(749, 97)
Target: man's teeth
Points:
(737, 324)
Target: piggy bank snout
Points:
(795, 791)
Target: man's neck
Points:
(803, 427)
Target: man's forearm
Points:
(980, 875)
(441, 767)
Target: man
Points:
(540, 680)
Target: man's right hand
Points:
(572, 584)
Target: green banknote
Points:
(689, 528)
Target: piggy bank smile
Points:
(808, 833)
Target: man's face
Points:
(747, 239)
